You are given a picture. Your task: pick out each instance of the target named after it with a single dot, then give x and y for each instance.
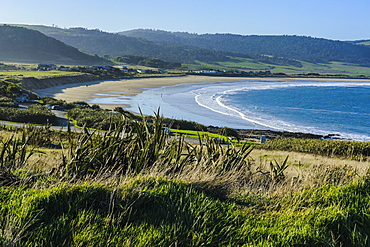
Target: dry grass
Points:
(145, 189)
(303, 163)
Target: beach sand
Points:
(97, 89)
(90, 90)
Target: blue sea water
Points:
(328, 109)
(341, 108)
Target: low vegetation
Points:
(136, 186)
(9, 67)
(329, 148)
(36, 114)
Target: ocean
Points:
(324, 108)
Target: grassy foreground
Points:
(136, 186)
(155, 211)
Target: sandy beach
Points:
(129, 87)
(90, 90)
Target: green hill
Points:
(21, 44)
(115, 45)
(309, 49)
(279, 54)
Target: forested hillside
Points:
(112, 45)
(21, 44)
(314, 50)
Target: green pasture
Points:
(246, 63)
(197, 134)
(201, 65)
(348, 69)
(202, 135)
(250, 65)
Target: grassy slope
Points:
(248, 64)
(159, 212)
(180, 195)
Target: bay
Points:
(339, 108)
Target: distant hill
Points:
(21, 44)
(314, 50)
(361, 42)
(116, 45)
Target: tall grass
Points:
(137, 186)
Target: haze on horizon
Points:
(338, 20)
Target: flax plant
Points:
(15, 153)
(132, 147)
(277, 170)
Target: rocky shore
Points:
(255, 135)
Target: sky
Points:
(331, 19)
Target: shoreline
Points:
(129, 87)
(84, 91)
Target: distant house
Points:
(23, 98)
(46, 67)
(208, 72)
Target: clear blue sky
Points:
(332, 19)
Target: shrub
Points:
(33, 114)
(226, 131)
(95, 118)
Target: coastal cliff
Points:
(32, 83)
